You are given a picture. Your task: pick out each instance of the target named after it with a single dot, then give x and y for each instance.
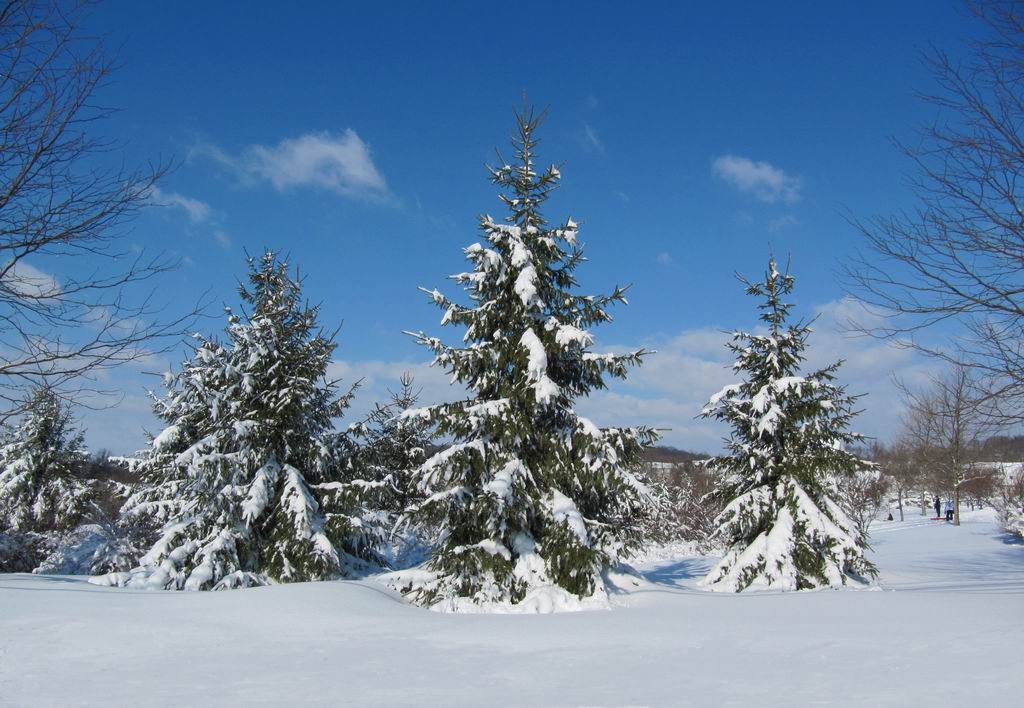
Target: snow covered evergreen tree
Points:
(780, 525)
(394, 446)
(391, 448)
(249, 475)
(530, 496)
(40, 491)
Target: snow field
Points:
(945, 625)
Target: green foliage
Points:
(529, 494)
(40, 491)
(250, 478)
(787, 445)
(393, 446)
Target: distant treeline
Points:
(667, 453)
(1003, 448)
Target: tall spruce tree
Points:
(530, 495)
(248, 475)
(780, 524)
(40, 490)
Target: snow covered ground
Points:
(945, 628)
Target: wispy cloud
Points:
(783, 222)
(26, 280)
(664, 258)
(672, 386)
(763, 180)
(120, 428)
(590, 140)
(668, 391)
(335, 162)
(197, 211)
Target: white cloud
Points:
(378, 377)
(206, 149)
(672, 416)
(673, 384)
(336, 162)
(121, 427)
(26, 280)
(783, 222)
(765, 181)
(664, 258)
(196, 210)
(668, 391)
(590, 139)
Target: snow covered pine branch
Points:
(781, 525)
(533, 502)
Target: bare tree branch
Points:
(958, 258)
(70, 298)
(946, 426)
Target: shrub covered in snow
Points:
(23, 551)
(530, 499)
(249, 480)
(109, 542)
(1009, 500)
(789, 432)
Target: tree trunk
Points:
(956, 504)
(899, 502)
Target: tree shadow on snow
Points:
(1001, 571)
(678, 572)
(60, 583)
(1011, 539)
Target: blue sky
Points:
(691, 136)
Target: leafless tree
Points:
(862, 493)
(947, 424)
(73, 298)
(957, 260)
(901, 470)
(688, 509)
